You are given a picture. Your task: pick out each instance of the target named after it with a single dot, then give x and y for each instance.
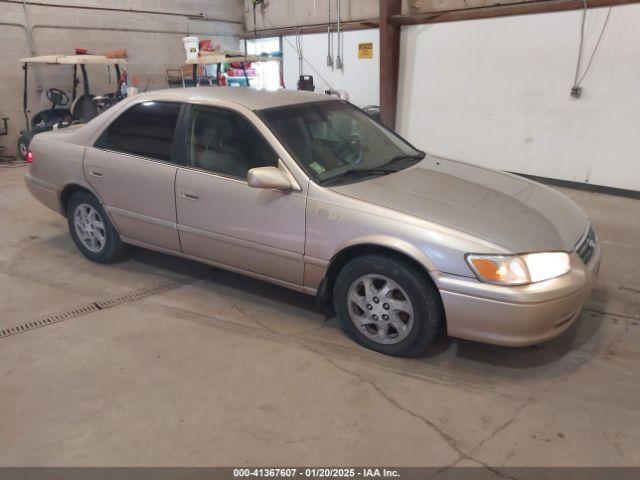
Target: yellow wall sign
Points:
(365, 50)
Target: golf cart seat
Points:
(84, 109)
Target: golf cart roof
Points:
(209, 58)
(74, 60)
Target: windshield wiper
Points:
(382, 170)
(356, 172)
(408, 156)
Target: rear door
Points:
(132, 168)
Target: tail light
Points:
(29, 156)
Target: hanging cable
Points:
(339, 56)
(254, 4)
(576, 90)
(329, 39)
(604, 26)
(299, 50)
(255, 24)
(304, 59)
(30, 40)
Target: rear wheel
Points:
(91, 230)
(388, 305)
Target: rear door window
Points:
(146, 129)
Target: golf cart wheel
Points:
(23, 146)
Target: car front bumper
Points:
(517, 316)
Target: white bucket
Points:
(191, 47)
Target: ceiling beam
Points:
(524, 8)
(307, 29)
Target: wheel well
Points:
(325, 292)
(67, 193)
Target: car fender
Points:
(392, 243)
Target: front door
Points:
(132, 170)
(221, 218)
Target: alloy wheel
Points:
(90, 227)
(380, 309)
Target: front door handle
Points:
(189, 195)
(95, 171)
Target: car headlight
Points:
(519, 269)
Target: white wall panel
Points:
(496, 93)
(360, 78)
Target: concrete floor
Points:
(221, 370)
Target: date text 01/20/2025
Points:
(316, 472)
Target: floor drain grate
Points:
(93, 307)
(138, 294)
(49, 319)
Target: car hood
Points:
(517, 214)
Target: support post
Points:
(24, 99)
(246, 77)
(389, 61)
(116, 67)
(85, 81)
(75, 83)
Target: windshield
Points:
(335, 142)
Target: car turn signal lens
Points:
(499, 269)
(519, 269)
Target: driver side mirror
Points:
(269, 178)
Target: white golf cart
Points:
(64, 111)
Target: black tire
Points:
(23, 146)
(428, 312)
(113, 248)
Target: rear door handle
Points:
(188, 194)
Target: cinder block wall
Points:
(153, 41)
(288, 13)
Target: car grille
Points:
(587, 247)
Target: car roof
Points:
(252, 98)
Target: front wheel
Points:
(91, 230)
(388, 305)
